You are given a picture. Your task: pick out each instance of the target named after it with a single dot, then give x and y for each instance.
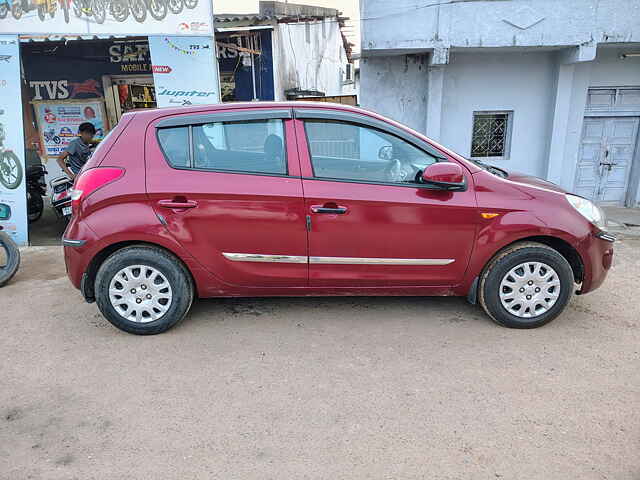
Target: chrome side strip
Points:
(67, 242)
(256, 257)
(380, 261)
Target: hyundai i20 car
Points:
(312, 199)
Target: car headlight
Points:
(588, 210)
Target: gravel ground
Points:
(328, 388)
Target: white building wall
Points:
(310, 56)
(610, 70)
(396, 87)
(518, 82)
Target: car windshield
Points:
(489, 168)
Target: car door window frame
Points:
(371, 123)
(194, 120)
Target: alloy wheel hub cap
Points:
(140, 293)
(529, 289)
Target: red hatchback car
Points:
(304, 199)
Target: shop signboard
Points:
(13, 208)
(174, 59)
(122, 17)
(58, 122)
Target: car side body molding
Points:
(256, 257)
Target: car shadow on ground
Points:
(364, 310)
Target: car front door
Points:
(227, 185)
(371, 223)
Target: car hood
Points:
(530, 180)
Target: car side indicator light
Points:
(489, 215)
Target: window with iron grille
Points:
(491, 134)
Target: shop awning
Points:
(59, 38)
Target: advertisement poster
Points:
(13, 203)
(176, 59)
(122, 17)
(58, 122)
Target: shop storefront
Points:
(245, 59)
(71, 81)
(58, 71)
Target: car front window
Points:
(349, 151)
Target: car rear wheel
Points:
(526, 286)
(143, 290)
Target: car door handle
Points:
(327, 208)
(177, 205)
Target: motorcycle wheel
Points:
(65, 10)
(191, 3)
(4, 10)
(42, 10)
(9, 269)
(16, 10)
(99, 10)
(10, 170)
(138, 10)
(35, 206)
(175, 6)
(157, 8)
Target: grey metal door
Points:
(606, 154)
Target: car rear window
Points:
(251, 146)
(175, 145)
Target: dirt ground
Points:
(335, 388)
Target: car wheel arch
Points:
(98, 259)
(563, 247)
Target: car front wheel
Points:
(526, 286)
(143, 290)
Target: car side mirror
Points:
(385, 153)
(444, 176)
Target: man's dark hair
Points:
(87, 127)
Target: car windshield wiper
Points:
(491, 168)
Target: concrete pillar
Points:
(560, 124)
(434, 101)
(572, 83)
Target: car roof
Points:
(219, 107)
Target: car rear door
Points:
(227, 185)
(371, 223)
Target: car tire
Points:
(116, 300)
(538, 264)
(12, 254)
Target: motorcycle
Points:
(10, 166)
(61, 196)
(92, 8)
(19, 7)
(36, 189)
(157, 8)
(120, 10)
(175, 6)
(9, 266)
(50, 7)
(5, 6)
(50, 136)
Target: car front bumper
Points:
(597, 256)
